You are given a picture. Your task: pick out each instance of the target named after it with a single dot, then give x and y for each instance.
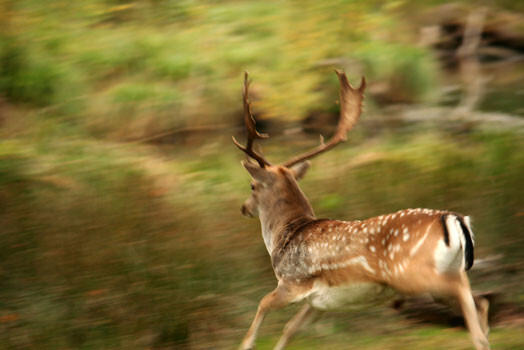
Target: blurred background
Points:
(120, 188)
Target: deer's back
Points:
(372, 250)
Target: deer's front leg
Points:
(305, 313)
(277, 299)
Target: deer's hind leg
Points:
(467, 304)
(482, 304)
(458, 296)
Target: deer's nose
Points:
(246, 212)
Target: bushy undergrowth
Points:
(93, 252)
(73, 55)
(27, 76)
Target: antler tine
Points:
(251, 130)
(350, 109)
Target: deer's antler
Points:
(350, 109)
(252, 133)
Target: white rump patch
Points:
(467, 220)
(451, 259)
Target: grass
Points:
(417, 338)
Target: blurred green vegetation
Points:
(117, 61)
(109, 244)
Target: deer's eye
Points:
(252, 187)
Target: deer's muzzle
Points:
(245, 211)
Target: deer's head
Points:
(275, 187)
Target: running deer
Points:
(331, 263)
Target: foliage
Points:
(201, 49)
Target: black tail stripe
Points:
(469, 249)
(445, 227)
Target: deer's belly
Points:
(351, 296)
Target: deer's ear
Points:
(258, 173)
(300, 169)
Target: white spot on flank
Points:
(402, 214)
(372, 231)
(396, 232)
(406, 237)
(372, 248)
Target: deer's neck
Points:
(280, 214)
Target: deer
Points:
(334, 264)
